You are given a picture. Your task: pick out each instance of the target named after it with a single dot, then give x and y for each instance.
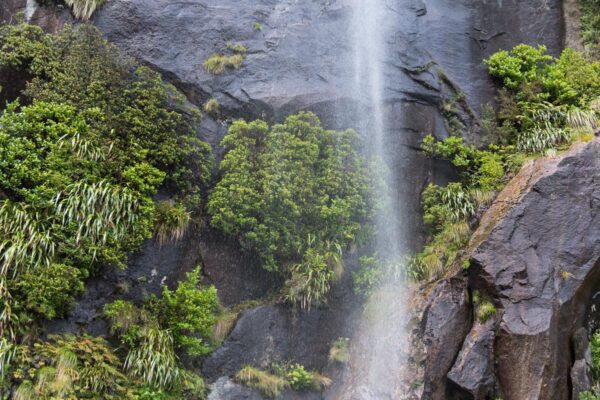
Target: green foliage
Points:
(83, 9)
(368, 277)
(258, 26)
(69, 367)
(485, 310)
(153, 359)
(268, 384)
(340, 351)
(589, 395)
(299, 378)
(446, 205)
(212, 106)
(590, 26)
(595, 347)
(522, 65)
(293, 376)
(479, 168)
(90, 141)
(48, 291)
(189, 312)
(295, 194)
(237, 48)
(171, 221)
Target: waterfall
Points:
(380, 341)
(30, 8)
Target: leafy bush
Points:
(89, 142)
(368, 277)
(48, 291)
(189, 312)
(300, 379)
(590, 26)
(535, 75)
(68, 367)
(294, 194)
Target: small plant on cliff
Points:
(217, 63)
(485, 310)
(171, 221)
(268, 384)
(84, 9)
(212, 107)
(340, 351)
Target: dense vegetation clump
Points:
(279, 377)
(590, 26)
(295, 194)
(82, 9)
(544, 104)
(87, 138)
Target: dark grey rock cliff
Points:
(299, 61)
(536, 256)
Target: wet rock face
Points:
(302, 58)
(473, 372)
(446, 321)
(540, 261)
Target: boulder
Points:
(473, 371)
(446, 321)
(537, 253)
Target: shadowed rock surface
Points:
(536, 256)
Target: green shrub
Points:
(189, 312)
(295, 194)
(69, 367)
(479, 168)
(589, 395)
(590, 26)
(48, 291)
(268, 384)
(536, 76)
(368, 277)
(300, 379)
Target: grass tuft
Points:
(340, 351)
(268, 384)
(211, 107)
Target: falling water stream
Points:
(379, 346)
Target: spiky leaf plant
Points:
(84, 9)
(154, 360)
